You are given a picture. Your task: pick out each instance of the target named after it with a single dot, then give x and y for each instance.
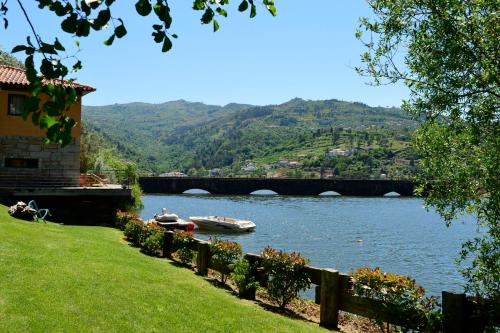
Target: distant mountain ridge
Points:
(181, 135)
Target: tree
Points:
(7, 59)
(451, 64)
(80, 18)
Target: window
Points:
(16, 104)
(23, 163)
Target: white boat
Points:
(179, 224)
(165, 216)
(222, 223)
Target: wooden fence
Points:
(461, 313)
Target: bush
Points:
(407, 298)
(122, 218)
(224, 253)
(286, 275)
(183, 241)
(135, 231)
(153, 243)
(241, 275)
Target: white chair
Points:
(41, 214)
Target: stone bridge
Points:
(283, 186)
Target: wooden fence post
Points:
(454, 312)
(317, 294)
(329, 298)
(168, 244)
(203, 258)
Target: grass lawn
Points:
(56, 278)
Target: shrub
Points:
(153, 243)
(406, 297)
(286, 275)
(224, 253)
(241, 275)
(183, 241)
(122, 218)
(135, 231)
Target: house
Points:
(250, 167)
(340, 152)
(216, 172)
(25, 160)
(282, 162)
(173, 174)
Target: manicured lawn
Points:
(56, 278)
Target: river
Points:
(396, 234)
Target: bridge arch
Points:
(196, 191)
(392, 194)
(329, 193)
(263, 192)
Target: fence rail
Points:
(25, 179)
(332, 293)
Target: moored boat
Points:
(165, 216)
(222, 223)
(180, 224)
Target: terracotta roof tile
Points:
(16, 76)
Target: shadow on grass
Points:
(181, 264)
(220, 285)
(284, 312)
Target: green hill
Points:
(57, 278)
(186, 136)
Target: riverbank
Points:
(70, 278)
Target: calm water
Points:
(398, 234)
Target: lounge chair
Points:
(41, 214)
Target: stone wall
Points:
(56, 166)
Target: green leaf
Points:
(207, 16)
(47, 122)
(69, 24)
(243, 6)
(83, 28)
(253, 11)
(167, 44)
(18, 48)
(221, 11)
(158, 36)
(120, 31)
(102, 18)
(58, 46)
(110, 40)
(47, 48)
(143, 7)
(77, 66)
(272, 9)
(216, 25)
(199, 5)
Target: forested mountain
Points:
(180, 135)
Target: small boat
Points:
(177, 225)
(165, 216)
(222, 223)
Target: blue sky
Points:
(307, 51)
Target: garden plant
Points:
(405, 298)
(183, 241)
(224, 253)
(286, 275)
